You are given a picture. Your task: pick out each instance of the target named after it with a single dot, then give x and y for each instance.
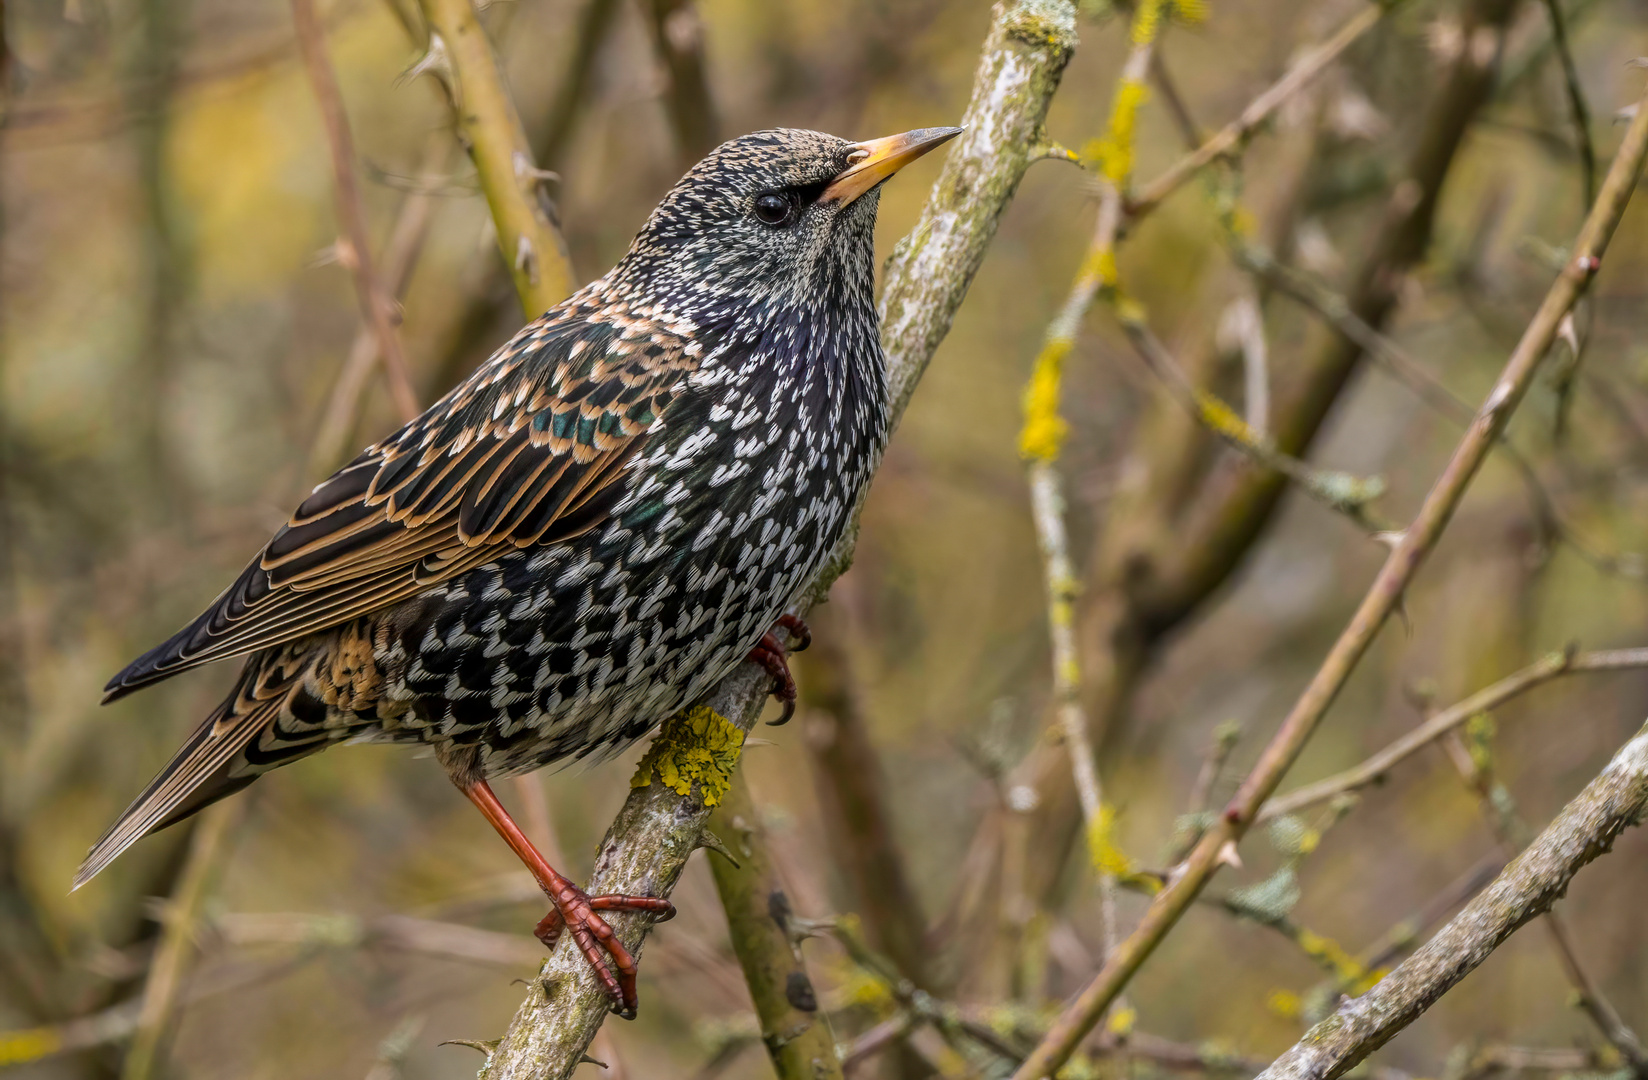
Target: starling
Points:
(613, 511)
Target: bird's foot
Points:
(770, 653)
(576, 909)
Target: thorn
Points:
(485, 1046)
(586, 1059)
(711, 842)
(435, 61)
(1228, 856)
(1390, 538)
(1565, 329)
(526, 259)
(757, 741)
(524, 168)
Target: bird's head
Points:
(770, 219)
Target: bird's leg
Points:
(769, 652)
(574, 908)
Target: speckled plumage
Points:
(591, 530)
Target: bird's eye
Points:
(773, 209)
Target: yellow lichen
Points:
(1114, 153)
(30, 1044)
(697, 746)
(1286, 1004)
(1110, 859)
(1044, 429)
(1147, 21)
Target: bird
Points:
(619, 506)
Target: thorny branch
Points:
(459, 54)
(1381, 600)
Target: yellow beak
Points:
(873, 161)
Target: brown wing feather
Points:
(520, 453)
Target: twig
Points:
(400, 258)
(1232, 135)
(1580, 112)
(1028, 45)
(1585, 829)
(762, 924)
(1347, 494)
(163, 989)
(354, 247)
(1541, 671)
(1381, 600)
(490, 129)
(1475, 768)
(1401, 936)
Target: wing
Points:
(528, 450)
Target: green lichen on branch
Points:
(698, 746)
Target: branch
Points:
(760, 920)
(1381, 600)
(1375, 767)
(1585, 829)
(1029, 43)
(1230, 137)
(354, 247)
(490, 129)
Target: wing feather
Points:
(530, 449)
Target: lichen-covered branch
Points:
(461, 56)
(1381, 600)
(796, 1034)
(1029, 43)
(1585, 829)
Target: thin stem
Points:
(1260, 109)
(1535, 674)
(354, 247)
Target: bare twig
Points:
(400, 258)
(1230, 137)
(1475, 767)
(354, 247)
(1585, 829)
(1347, 494)
(1577, 109)
(1542, 671)
(1381, 600)
(461, 56)
(1023, 57)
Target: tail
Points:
(214, 762)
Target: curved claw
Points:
(596, 940)
(770, 655)
(799, 630)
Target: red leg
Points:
(574, 908)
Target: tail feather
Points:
(210, 765)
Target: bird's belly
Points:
(576, 651)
